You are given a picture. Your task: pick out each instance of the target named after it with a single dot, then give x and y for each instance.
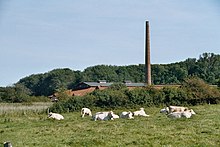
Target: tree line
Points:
(206, 67)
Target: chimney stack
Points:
(147, 55)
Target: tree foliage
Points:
(207, 68)
(54, 81)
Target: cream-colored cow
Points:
(86, 111)
(55, 116)
(140, 112)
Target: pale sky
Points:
(37, 36)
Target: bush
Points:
(140, 97)
(58, 107)
(199, 92)
(193, 91)
(73, 104)
(110, 98)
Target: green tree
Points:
(15, 93)
(51, 82)
(100, 72)
(207, 67)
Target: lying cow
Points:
(175, 115)
(86, 111)
(171, 109)
(184, 114)
(165, 110)
(177, 109)
(115, 116)
(193, 112)
(55, 116)
(103, 116)
(127, 115)
(140, 112)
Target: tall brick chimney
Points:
(147, 55)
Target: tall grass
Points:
(20, 108)
(35, 129)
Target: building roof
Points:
(95, 84)
(135, 84)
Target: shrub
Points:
(199, 92)
(57, 107)
(140, 96)
(193, 91)
(110, 98)
(170, 95)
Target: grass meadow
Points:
(29, 127)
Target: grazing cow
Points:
(55, 116)
(103, 116)
(86, 111)
(140, 112)
(127, 115)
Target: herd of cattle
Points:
(171, 112)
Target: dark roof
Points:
(135, 84)
(95, 84)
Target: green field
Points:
(31, 127)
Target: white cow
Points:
(188, 113)
(86, 111)
(115, 116)
(140, 112)
(103, 116)
(193, 112)
(185, 114)
(175, 115)
(55, 116)
(165, 110)
(177, 109)
(128, 115)
(171, 109)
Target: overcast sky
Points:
(37, 36)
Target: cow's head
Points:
(110, 115)
(50, 114)
(164, 110)
(193, 112)
(130, 115)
